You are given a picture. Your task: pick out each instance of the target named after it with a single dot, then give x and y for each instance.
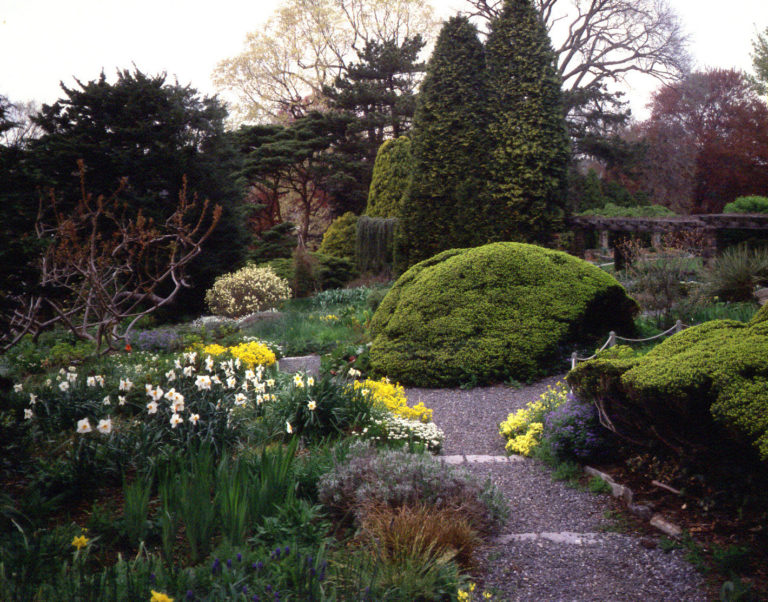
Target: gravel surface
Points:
(521, 564)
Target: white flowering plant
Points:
(246, 291)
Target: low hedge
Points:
(705, 385)
(490, 313)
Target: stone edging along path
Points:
(560, 543)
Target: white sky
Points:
(43, 42)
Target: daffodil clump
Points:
(251, 353)
(524, 428)
(392, 396)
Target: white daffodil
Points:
(177, 406)
(310, 381)
(105, 426)
(156, 394)
(194, 418)
(121, 400)
(188, 370)
(237, 363)
(288, 427)
(245, 386)
(64, 385)
(28, 414)
(297, 381)
(271, 383)
(240, 399)
(231, 382)
(83, 426)
(148, 388)
(209, 363)
(106, 401)
(354, 373)
(71, 377)
(259, 387)
(203, 382)
(259, 400)
(90, 381)
(250, 374)
(152, 407)
(170, 376)
(71, 369)
(170, 394)
(32, 399)
(18, 388)
(177, 364)
(176, 420)
(125, 385)
(99, 379)
(48, 382)
(311, 405)
(216, 380)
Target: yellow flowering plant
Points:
(251, 353)
(524, 428)
(392, 396)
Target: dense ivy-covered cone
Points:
(339, 238)
(445, 207)
(530, 148)
(697, 391)
(486, 314)
(391, 178)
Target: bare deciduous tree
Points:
(103, 269)
(598, 41)
(305, 45)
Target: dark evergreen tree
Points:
(154, 134)
(391, 178)
(378, 95)
(530, 142)
(593, 197)
(445, 206)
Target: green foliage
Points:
(760, 59)
(339, 238)
(136, 509)
(444, 207)
(397, 478)
(494, 312)
(592, 195)
(598, 485)
(748, 204)
(528, 136)
(734, 275)
(153, 133)
(391, 178)
(304, 282)
(703, 387)
(329, 271)
(613, 210)
(374, 243)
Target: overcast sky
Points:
(43, 42)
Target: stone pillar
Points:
(656, 240)
(604, 240)
(579, 242)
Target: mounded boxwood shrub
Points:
(485, 314)
(748, 204)
(700, 388)
(339, 238)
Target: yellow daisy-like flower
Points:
(80, 541)
(160, 597)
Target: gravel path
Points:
(558, 543)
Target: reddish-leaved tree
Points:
(707, 140)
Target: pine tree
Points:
(391, 178)
(527, 131)
(444, 207)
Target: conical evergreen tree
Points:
(527, 130)
(444, 207)
(391, 178)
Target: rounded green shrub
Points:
(700, 388)
(485, 314)
(391, 176)
(246, 291)
(339, 239)
(748, 204)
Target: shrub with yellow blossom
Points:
(524, 428)
(392, 396)
(246, 291)
(251, 353)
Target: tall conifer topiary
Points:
(391, 177)
(527, 129)
(444, 207)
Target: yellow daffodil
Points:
(160, 597)
(80, 542)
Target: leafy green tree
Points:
(592, 196)
(760, 60)
(152, 133)
(391, 178)
(445, 207)
(378, 97)
(530, 149)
